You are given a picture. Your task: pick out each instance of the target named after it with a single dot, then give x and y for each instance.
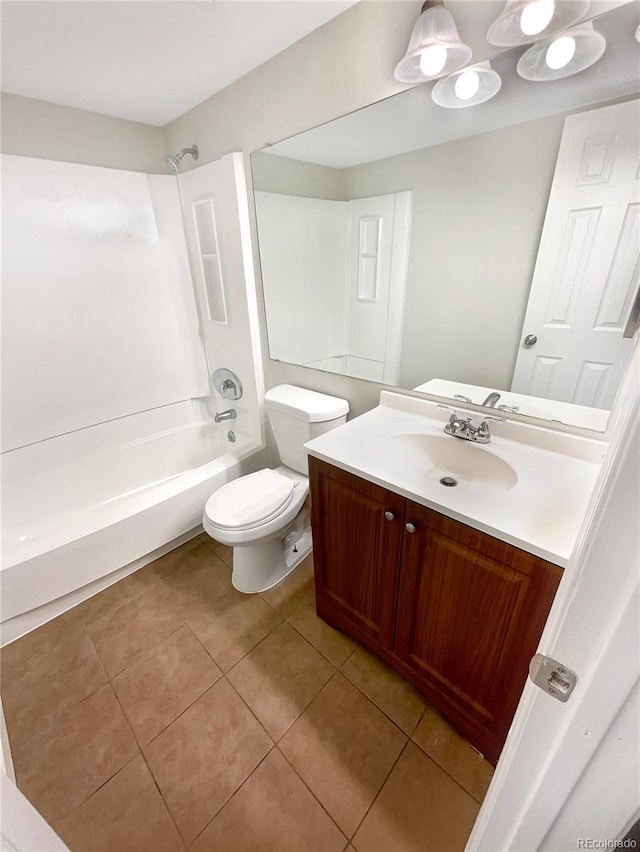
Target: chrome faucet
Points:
(491, 400)
(458, 427)
(229, 414)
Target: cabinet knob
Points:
(410, 527)
(390, 516)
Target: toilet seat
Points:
(251, 501)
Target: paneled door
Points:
(588, 268)
(470, 612)
(357, 538)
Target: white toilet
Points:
(261, 515)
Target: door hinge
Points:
(552, 677)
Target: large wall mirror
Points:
(465, 251)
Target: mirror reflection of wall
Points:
(344, 263)
(480, 194)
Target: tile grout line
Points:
(381, 788)
(232, 795)
(297, 774)
(139, 657)
(302, 636)
(93, 793)
(447, 772)
(246, 654)
(164, 801)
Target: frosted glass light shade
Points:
(459, 90)
(434, 48)
(563, 55)
(524, 21)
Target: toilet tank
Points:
(297, 415)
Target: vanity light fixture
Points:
(468, 87)
(562, 55)
(524, 21)
(434, 48)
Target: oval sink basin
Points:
(470, 464)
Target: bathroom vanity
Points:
(451, 585)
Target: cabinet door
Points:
(471, 611)
(356, 552)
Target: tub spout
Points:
(492, 399)
(229, 414)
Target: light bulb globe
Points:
(560, 52)
(467, 84)
(432, 59)
(536, 16)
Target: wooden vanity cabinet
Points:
(458, 612)
(356, 551)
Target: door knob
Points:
(411, 528)
(530, 340)
(390, 516)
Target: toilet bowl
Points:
(262, 515)
(254, 514)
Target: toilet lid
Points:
(251, 500)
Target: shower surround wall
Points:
(109, 449)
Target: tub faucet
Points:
(492, 399)
(229, 414)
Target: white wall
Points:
(304, 245)
(478, 209)
(33, 128)
(99, 319)
(295, 177)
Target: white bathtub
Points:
(74, 523)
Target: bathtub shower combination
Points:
(112, 330)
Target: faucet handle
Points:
(491, 417)
(513, 408)
(462, 398)
(454, 414)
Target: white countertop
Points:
(537, 501)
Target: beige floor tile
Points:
(164, 682)
(143, 581)
(273, 810)
(454, 754)
(200, 580)
(389, 690)
(100, 604)
(280, 677)
(202, 758)
(294, 591)
(171, 561)
(234, 625)
(58, 770)
(332, 643)
(419, 809)
(343, 748)
(127, 814)
(225, 553)
(133, 628)
(46, 672)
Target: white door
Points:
(588, 267)
(572, 771)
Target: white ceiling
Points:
(411, 121)
(145, 60)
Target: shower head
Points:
(173, 160)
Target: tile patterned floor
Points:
(171, 712)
